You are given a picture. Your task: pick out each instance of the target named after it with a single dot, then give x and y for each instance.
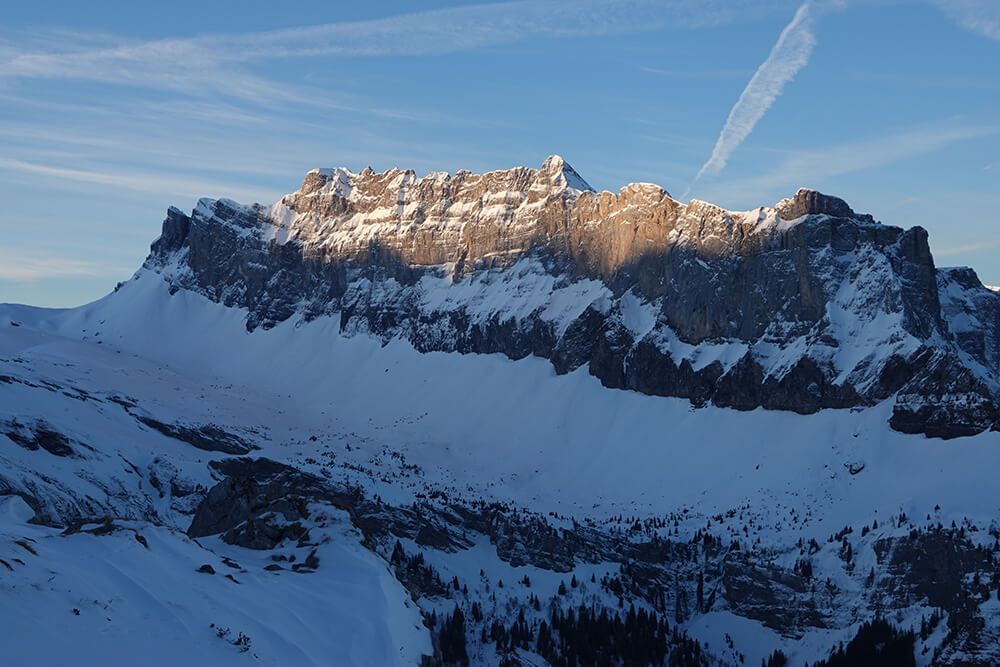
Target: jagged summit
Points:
(555, 175)
(282, 389)
(804, 306)
(807, 201)
(555, 172)
(497, 216)
(562, 174)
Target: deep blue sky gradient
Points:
(897, 111)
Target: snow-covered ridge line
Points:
(473, 220)
(804, 306)
(554, 165)
(322, 333)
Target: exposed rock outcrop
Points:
(916, 567)
(801, 307)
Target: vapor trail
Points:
(790, 54)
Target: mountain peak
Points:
(653, 276)
(562, 174)
(807, 201)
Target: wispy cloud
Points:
(214, 63)
(139, 181)
(789, 55)
(818, 165)
(169, 153)
(732, 73)
(19, 265)
(979, 16)
(924, 80)
(159, 145)
(968, 248)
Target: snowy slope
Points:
(594, 450)
(368, 414)
(386, 398)
(116, 598)
(801, 307)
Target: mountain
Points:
(312, 432)
(801, 307)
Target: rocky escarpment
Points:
(804, 306)
(945, 579)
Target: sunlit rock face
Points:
(802, 306)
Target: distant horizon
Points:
(112, 116)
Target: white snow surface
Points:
(512, 427)
(80, 596)
(516, 292)
(500, 429)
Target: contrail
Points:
(982, 16)
(790, 54)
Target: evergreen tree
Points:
(777, 659)
(877, 644)
(452, 639)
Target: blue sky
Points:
(112, 111)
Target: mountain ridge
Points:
(486, 469)
(257, 408)
(803, 306)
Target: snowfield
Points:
(82, 596)
(514, 429)
(398, 424)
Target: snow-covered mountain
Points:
(804, 306)
(309, 433)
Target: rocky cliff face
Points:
(803, 306)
